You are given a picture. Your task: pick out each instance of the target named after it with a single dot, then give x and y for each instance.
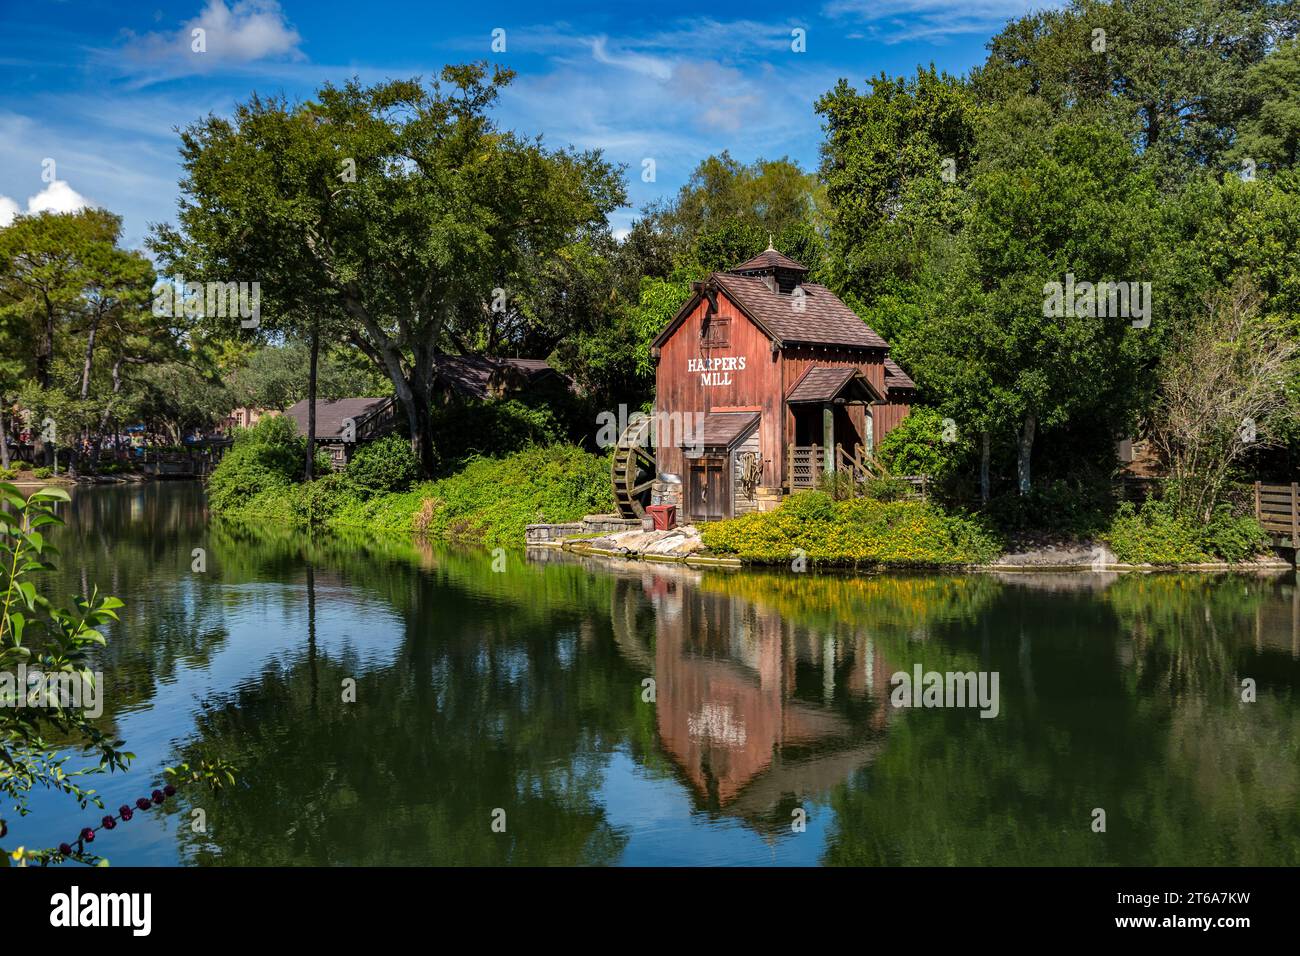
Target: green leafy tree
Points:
(400, 207)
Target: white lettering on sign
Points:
(717, 370)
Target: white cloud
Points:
(645, 65)
(895, 21)
(58, 196)
(245, 32)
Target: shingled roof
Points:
(823, 319)
(895, 377)
(769, 260)
(330, 415)
(825, 384)
(483, 376)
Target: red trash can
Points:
(665, 516)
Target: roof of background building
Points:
(477, 376)
(332, 413)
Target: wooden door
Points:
(708, 490)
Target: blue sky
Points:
(100, 87)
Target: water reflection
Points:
(525, 691)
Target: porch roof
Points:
(821, 384)
(723, 429)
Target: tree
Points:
(1270, 132)
(895, 162)
(399, 207)
(1176, 75)
(1224, 392)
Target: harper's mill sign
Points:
(716, 370)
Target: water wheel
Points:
(633, 470)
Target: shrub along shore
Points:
(489, 501)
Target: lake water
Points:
(520, 696)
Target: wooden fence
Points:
(1277, 508)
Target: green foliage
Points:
(1074, 509)
(857, 533)
(887, 489)
(1157, 533)
(53, 640)
(917, 446)
(492, 500)
(445, 206)
(267, 456)
(387, 464)
(276, 377)
(493, 428)
(1270, 134)
(42, 473)
(311, 503)
(489, 501)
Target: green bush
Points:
(315, 503)
(1075, 509)
(493, 499)
(1157, 534)
(887, 489)
(382, 466)
(8, 474)
(917, 446)
(1234, 537)
(493, 429)
(23, 465)
(42, 473)
(268, 455)
(859, 532)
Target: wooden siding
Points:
(761, 386)
(756, 387)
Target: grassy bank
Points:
(857, 533)
(489, 501)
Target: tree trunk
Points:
(45, 347)
(1026, 447)
(984, 468)
(88, 360)
(311, 402)
(4, 437)
(108, 412)
(422, 437)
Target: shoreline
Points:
(703, 560)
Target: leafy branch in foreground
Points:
(53, 643)
(45, 679)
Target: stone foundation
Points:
(546, 533)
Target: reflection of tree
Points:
(136, 541)
(1132, 709)
(496, 698)
(511, 689)
(1188, 631)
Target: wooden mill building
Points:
(780, 380)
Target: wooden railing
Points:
(805, 463)
(1277, 508)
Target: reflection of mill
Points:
(756, 712)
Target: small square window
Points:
(717, 332)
